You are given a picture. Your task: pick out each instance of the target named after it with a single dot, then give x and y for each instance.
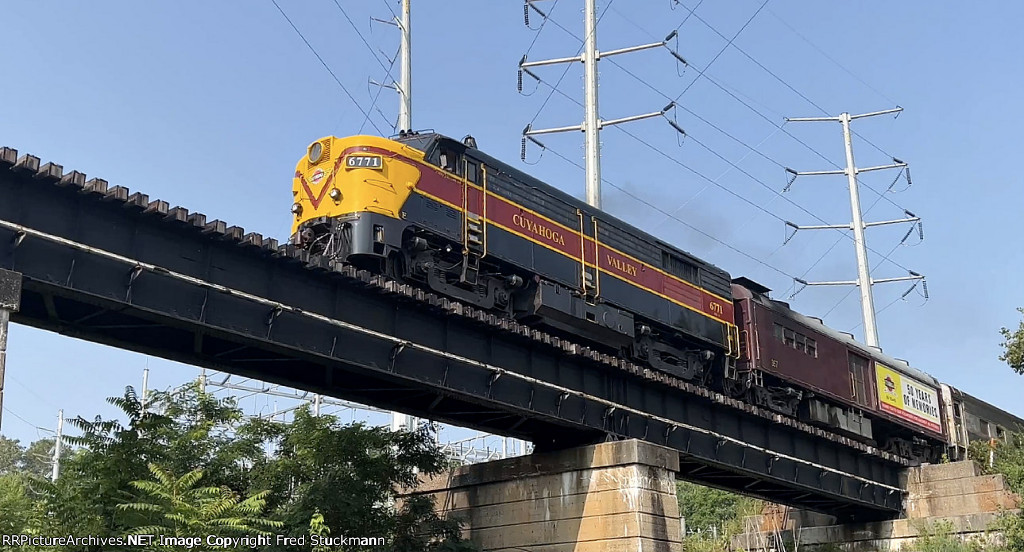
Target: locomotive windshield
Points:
(422, 142)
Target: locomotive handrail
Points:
(597, 260)
(483, 216)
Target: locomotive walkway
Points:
(102, 263)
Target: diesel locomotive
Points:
(439, 213)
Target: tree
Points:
(10, 455)
(347, 478)
(1005, 457)
(705, 507)
(351, 473)
(181, 432)
(175, 507)
(1013, 347)
(37, 459)
(16, 505)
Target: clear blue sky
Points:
(209, 105)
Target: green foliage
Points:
(10, 455)
(1005, 457)
(123, 477)
(713, 516)
(1008, 459)
(33, 460)
(347, 478)
(176, 507)
(941, 537)
(38, 457)
(16, 504)
(705, 507)
(1013, 347)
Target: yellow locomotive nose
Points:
(343, 176)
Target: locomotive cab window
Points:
(472, 171)
(449, 160)
(449, 157)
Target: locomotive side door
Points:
(590, 274)
(474, 211)
(858, 379)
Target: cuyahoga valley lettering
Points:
(538, 229)
(621, 266)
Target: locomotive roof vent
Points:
(753, 286)
(816, 319)
(876, 348)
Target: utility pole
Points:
(405, 86)
(591, 128)
(592, 123)
(864, 281)
(399, 421)
(145, 387)
(57, 443)
(10, 302)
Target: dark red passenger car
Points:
(796, 365)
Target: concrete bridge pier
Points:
(611, 497)
(954, 497)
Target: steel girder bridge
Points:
(104, 264)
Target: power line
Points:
(387, 69)
(324, 63)
(719, 185)
(536, 35)
(830, 58)
(362, 38)
(376, 97)
(781, 80)
(731, 42)
(734, 165)
(728, 43)
(677, 219)
(568, 66)
(685, 19)
(30, 424)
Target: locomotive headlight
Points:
(316, 151)
(297, 209)
(335, 194)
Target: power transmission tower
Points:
(592, 123)
(404, 84)
(57, 445)
(863, 281)
(400, 421)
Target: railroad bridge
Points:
(106, 264)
